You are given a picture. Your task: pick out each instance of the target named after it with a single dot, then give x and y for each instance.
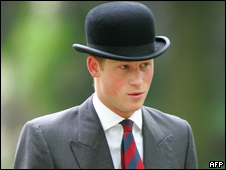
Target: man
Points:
(112, 128)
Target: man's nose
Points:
(136, 78)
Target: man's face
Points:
(123, 86)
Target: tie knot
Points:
(127, 125)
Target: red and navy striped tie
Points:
(130, 158)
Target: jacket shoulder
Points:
(44, 139)
(157, 114)
(66, 116)
(56, 118)
(167, 122)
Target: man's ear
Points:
(93, 66)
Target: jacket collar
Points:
(91, 149)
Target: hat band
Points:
(126, 50)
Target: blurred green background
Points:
(41, 73)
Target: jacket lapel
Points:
(90, 146)
(157, 146)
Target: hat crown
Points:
(122, 31)
(120, 24)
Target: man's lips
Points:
(136, 95)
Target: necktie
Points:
(130, 158)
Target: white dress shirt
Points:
(114, 131)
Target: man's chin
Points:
(134, 108)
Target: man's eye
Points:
(144, 65)
(124, 67)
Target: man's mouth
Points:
(136, 95)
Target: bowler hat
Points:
(122, 31)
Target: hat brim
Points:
(162, 44)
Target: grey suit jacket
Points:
(74, 138)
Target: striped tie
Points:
(130, 158)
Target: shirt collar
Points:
(109, 119)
